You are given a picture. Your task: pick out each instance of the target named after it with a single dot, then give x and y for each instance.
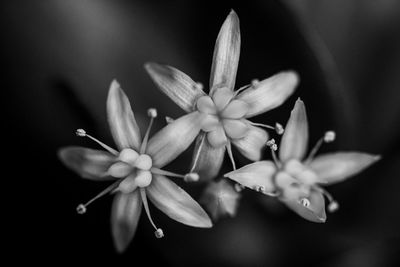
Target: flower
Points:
(226, 111)
(296, 180)
(136, 167)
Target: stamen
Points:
(81, 209)
(169, 119)
(260, 189)
(274, 147)
(159, 232)
(238, 91)
(254, 82)
(152, 113)
(279, 128)
(189, 177)
(327, 138)
(333, 204)
(238, 187)
(199, 86)
(197, 156)
(263, 125)
(229, 150)
(82, 133)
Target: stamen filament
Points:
(229, 150)
(189, 177)
(158, 231)
(262, 125)
(241, 89)
(314, 150)
(81, 209)
(82, 133)
(197, 156)
(152, 115)
(333, 204)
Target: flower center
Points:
(224, 116)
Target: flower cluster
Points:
(215, 121)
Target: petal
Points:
(294, 140)
(235, 128)
(226, 53)
(175, 84)
(174, 138)
(206, 105)
(220, 199)
(210, 123)
(207, 160)
(335, 167)
(315, 212)
(125, 215)
(253, 143)
(236, 109)
(257, 176)
(88, 163)
(222, 97)
(269, 93)
(176, 203)
(122, 122)
(217, 138)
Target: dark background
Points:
(59, 58)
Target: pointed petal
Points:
(175, 84)
(236, 109)
(88, 163)
(257, 176)
(174, 138)
(217, 138)
(294, 140)
(315, 212)
(335, 167)
(226, 53)
(176, 203)
(220, 199)
(235, 129)
(207, 160)
(125, 215)
(253, 143)
(269, 93)
(122, 122)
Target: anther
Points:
(270, 142)
(305, 202)
(198, 86)
(333, 206)
(159, 233)
(191, 177)
(254, 82)
(261, 189)
(169, 119)
(80, 132)
(81, 209)
(152, 112)
(329, 136)
(279, 128)
(238, 187)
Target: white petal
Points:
(253, 143)
(257, 176)
(174, 138)
(226, 53)
(122, 122)
(176, 203)
(175, 84)
(88, 163)
(124, 218)
(315, 212)
(269, 93)
(207, 159)
(295, 139)
(335, 167)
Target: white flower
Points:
(225, 111)
(136, 169)
(295, 179)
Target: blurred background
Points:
(59, 58)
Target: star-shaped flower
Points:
(226, 111)
(136, 169)
(297, 180)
